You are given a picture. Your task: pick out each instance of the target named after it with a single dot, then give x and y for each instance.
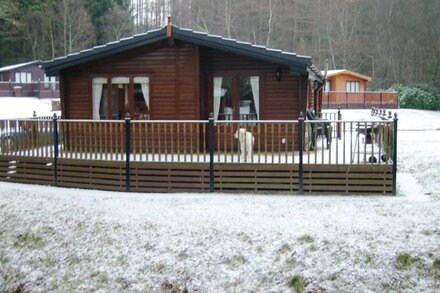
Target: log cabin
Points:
(179, 74)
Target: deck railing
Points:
(265, 142)
(299, 151)
(359, 100)
(38, 89)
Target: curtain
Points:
(255, 84)
(96, 95)
(145, 85)
(217, 95)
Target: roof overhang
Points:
(332, 73)
(297, 64)
(21, 65)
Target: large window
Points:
(122, 95)
(352, 86)
(23, 77)
(236, 98)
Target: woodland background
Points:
(393, 41)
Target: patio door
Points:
(235, 96)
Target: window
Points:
(249, 97)
(23, 77)
(120, 102)
(352, 86)
(141, 93)
(229, 104)
(327, 87)
(50, 81)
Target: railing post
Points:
(395, 154)
(55, 146)
(301, 148)
(211, 151)
(127, 153)
(365, 102)
(339, 123)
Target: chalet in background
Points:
(27, 80)
(175, 73)
(347, 89)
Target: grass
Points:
(306, 239)
(405, 261)
(285, 248)
(435, 269)
(235, 260)
(297, 284)
(29, 240)
(436, 264)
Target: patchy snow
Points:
(11, 108)
(57, 239)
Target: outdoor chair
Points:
(322, 129)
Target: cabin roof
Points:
(331, 73)
(297, 63)
(16, 66)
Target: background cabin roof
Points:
(298, 64)
(331, 73)
(16, 66)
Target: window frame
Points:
(109, 78)
(235, 76)
(27, 75)
(352, 86)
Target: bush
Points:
(421, 97)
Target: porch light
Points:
(278, 74)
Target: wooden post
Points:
(127, 152)
(301, 147)
(211, 151)
(395, 154)
(55, 148)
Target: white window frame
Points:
(352, 86)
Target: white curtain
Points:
(255, 84)
(217, 95)
(145, 85)
(96, 95)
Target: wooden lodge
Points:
(346, 89)
(175, 74)
(163, 112)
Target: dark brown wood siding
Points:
(172, 72)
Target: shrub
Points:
(420, 96)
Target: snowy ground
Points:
(55, 239)
(24, 107)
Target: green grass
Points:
(306, 239)
(297, 284)
(29, 240)
(436, 264)
(285, 248)
(235, 260)
(405, 261)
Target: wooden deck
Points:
(110, 155)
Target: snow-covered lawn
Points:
(11, 108)
(56, 239)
